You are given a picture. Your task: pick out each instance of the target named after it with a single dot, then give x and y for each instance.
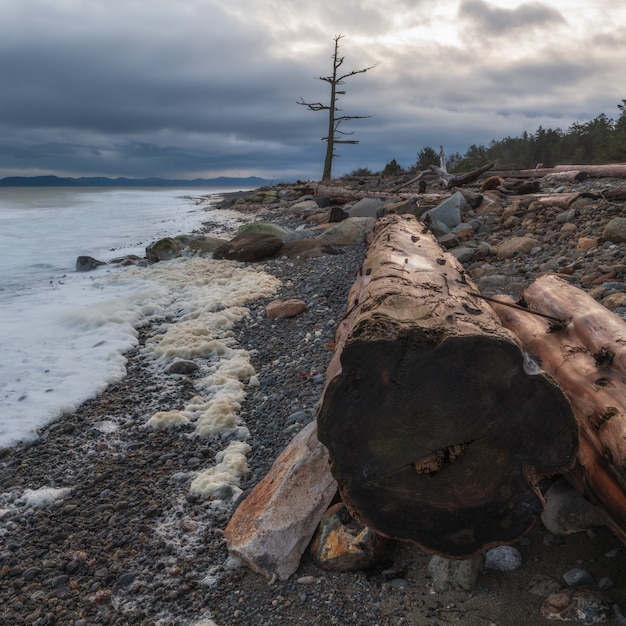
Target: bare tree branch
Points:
(334, 121)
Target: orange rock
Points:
(586, 243)
(341, 544)
(272, 527)
(285, 308)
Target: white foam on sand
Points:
(43, 496)
(206, 299)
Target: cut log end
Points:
(442, 444)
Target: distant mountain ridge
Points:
(102, 181)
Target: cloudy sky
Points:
(203, 88)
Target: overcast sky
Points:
(204, 88)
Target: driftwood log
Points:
(437, 432)
(587, 356)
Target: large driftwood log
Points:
(611, 170)
(436, 432)
(587, 356)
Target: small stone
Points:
(606, 583)
(586, 243)
(586, 607)
(576, 577)
(183, 367)
(126, 579)
(455, 575)
(280, 309)
(503, 559)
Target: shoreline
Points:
(129, 544)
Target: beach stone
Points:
(577, 577)
(272, 527)
(366, 207)
(305, 206)
(448, 241)
(503, 559)
(350, 232)
(491, 204)
(341, 544)
(463, 254)
(337, 214)
(248, 247)
(454, 574)
(306, 249)
(164, 249)
(509, 248)
(614, 301)
(205, 245)
(449, 211)
(87, 263)
(585, 607)
(410, 206)
(280, 309)
(566, 511)
(183, 367)
(263, 227)
(586, 243)
(615, 230)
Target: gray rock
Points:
(183, 367)
(463, 254)
(87, 263)
(455, 575)
(576, 577)
(566, 511)
(448, 212)
(503, 559)
(615, 230)
(350, 232)
(366, 207)
(263, 227)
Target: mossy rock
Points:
(205, 245)
(263, 227)
(164, 249)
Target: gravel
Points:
(129, 544)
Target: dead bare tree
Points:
(334, 120)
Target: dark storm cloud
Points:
(492, 20)
(203, 87)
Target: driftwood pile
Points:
(443, 410)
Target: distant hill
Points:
(101, 181)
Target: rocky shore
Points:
(97, 522)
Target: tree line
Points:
(601, 140)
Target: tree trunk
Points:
(436, 433)
(588, 359)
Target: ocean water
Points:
(63, 333)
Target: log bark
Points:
(588, 359)
(436, 433)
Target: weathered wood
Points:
(588, 359)
(615, 170)
(449, 180)
(436, 433)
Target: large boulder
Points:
(264, 227)
(272, 527)
(249, 247)
(448, 212)
(350, 232)
(366, 207)
(165, 249)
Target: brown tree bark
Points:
(588, 359)
(436, 433)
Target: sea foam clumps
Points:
(206, 298)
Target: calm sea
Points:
(63, 333)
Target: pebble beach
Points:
(99, 524)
